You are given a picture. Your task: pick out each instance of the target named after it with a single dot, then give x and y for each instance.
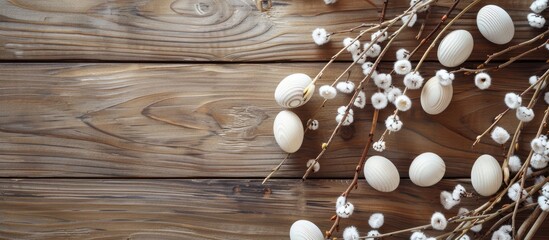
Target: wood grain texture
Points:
(202, 209)
(165, 120)
(210, 30)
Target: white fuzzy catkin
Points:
(348, 120)
(393, 123)
(346, 210)
(350, 233)
(462, 211)
(372, 233)
(340, 202)
(534, 79)
(313, 125)
(409, 19)
(392, 93)
(379, 146)
(316, 166)
(538, 161)
(476, 228)
(483, 80)
(383, 80)
(499, 135)
(327, 92)
(545, 190)
(444, 77)
(342, 109)
(513, 100)
(535, 20)
(417, 4)
(351, 44)
(320, 36)
(402, 54)
(514, 191)
(413, 80)
(379, 100)
(525, 114)
(501, 235)
(360, 100)
(439, 221)
(514, 163)
(382, 36)
(543, 202)
(403, 103)
(359, 57)
(372, 51)
(538, 145)
(345, 87)
(367, 67)
(538, 6)
(418, 236)
(447, 200)
(376, 220)
(402, 67)
(459, 191)
(546, 97)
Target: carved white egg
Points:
(455, 48)
(305, 230)
(427, 169)
(288, 131)
(435, 98)
(495, 24)
(381, 174)
(486, 175)
(289, 92)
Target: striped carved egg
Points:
(427, 169)
(495, 24)
(486, 175)
(289, 92)
(288, 131)
(381, 174)
(455, 48)
(435, 98)
(305, 230)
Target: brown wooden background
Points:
(153, 119)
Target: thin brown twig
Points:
(442, 20)
(357, 170)
(497, 54)
(503, 65)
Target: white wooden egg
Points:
(435, 98)
(486, 175)
(495, 24)
(289, 92)
(305, 230)
(288, 131)
(427, 169)
(455, 48)
(381, 174)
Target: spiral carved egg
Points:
(455, 48)
(427, 169)
(486, 175)
(305, 230)
(289, 92)
(435, 98)
(288, 131)
(495, 24)
(381, 174)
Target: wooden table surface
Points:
(146, 119)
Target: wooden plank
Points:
(204, 30)
(202, 209)
(157, 120)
